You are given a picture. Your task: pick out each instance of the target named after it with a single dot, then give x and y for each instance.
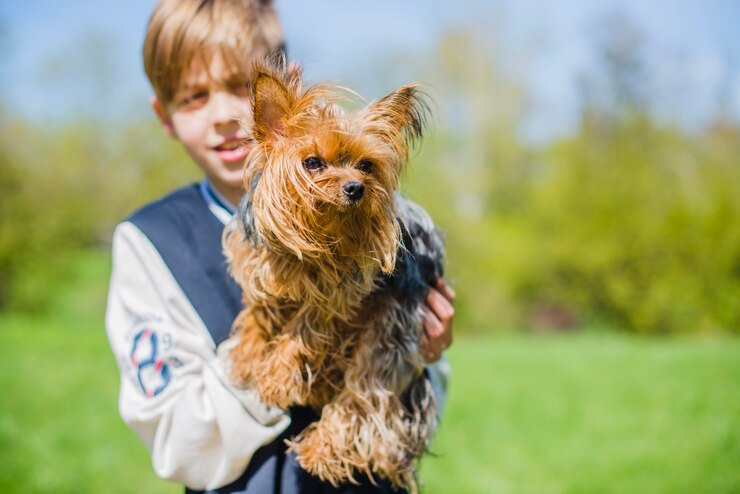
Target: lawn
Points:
(590, 413)
(587, 412)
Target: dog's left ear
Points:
(401, 116)
(271, 106)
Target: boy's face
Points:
(211, 115)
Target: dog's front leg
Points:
(283, 376)
(252, 341)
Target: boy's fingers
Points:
(445, 289)
(430, 357)
(437, 336)
(437, 320)
(430, 348)
(440, 304)
(433, 327)
(426, 352)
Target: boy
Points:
(171, 303)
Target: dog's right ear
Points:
(400, 117)
(271, 107)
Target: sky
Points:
(49, 49)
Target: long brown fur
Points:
(316, 329)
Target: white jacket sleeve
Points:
(175, 391)
(439, 374)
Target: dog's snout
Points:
(353, 190)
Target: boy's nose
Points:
(225, 108)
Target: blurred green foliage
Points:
(63, 189)
(636, 226)
(629, 222)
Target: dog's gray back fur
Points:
(420, 259)
(245, 213)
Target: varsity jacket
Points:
(170, 308)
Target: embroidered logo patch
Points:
(152, 372)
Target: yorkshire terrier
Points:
(335, 265)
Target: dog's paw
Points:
(316, 454)
(282, 389)
(282, 376)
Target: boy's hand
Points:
(437, 317)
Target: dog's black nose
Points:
(353, 191)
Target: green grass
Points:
(590, 413)
(581, 413)
(59, 426)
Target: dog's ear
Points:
(271, 106)
(401, 116)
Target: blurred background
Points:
(584, 162)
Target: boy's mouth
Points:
(233, 151)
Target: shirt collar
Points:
(217, 203)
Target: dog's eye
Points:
(313, 164)
(365, 166)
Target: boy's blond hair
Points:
(181, 32)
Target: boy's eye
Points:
(194, 100)
(365, 166)
(240, 88)
(313, 164)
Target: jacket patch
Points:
(152, 373)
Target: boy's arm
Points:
(175, 392)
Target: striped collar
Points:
(217, 203)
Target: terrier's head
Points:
(320, 181)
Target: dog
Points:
(334, 266)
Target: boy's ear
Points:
(163, 117)
(272, 104)
(401, 116)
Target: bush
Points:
(62, 189)
(637, 226)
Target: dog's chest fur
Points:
(332, 315)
